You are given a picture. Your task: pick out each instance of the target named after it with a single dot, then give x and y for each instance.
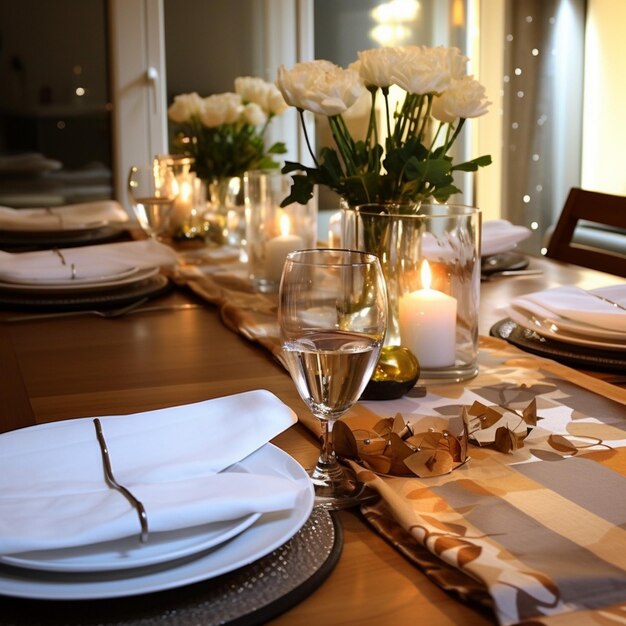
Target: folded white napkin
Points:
(98, 261)
(580, 306)
(497, 235)
(68, 217)
(52, 488)
(501, 236)
(28, 162)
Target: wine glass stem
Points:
(327, 454)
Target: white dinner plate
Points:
(128, 553)
(99, 284)
(73, 282)
(51, 228)
(573, 311)
(75, 218)
(551, 329)
(532, 309)
(41, 239)
(265, 535)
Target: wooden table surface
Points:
(88, 366)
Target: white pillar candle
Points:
(183, 204)
(277, 249)
(428, 324)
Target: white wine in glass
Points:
(152, 191)
(332, 315)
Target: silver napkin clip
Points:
(108, 473)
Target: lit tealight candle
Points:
(277, 249)
(183, 204)
(428, 324)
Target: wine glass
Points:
(152, 191)
(332, 315)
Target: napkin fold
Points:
(67, 217)
(97, 261)
(501, 236)
(53, 492)
(581, 306)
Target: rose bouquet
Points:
(225, 133)
(412, 162)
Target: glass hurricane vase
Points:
(225, 216)
(430, 257)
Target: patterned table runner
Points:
(539, 533)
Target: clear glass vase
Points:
(186, 222)
(225, 216)
(430, 255)
(273, 231)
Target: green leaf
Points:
(442, 194)
(301, 190)
(473, 165)
(292, 166)
(266, 163)
(330, 165)
(433, 171)
(278, 148)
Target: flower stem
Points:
(306, 137)
(343, 142)
(457, 130)
(429, 104)
(386, 95)
(372, 129)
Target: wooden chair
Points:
(601, 209)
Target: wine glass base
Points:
(339, 489)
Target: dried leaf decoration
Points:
(498, 427)
(573, 444)
(391, 447)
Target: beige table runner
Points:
(538, 534)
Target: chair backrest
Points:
(603, 210)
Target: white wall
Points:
(486, 36)
(604, 129)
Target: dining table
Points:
(56, 369)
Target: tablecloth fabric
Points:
(538, 535)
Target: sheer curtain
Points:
(542, 111)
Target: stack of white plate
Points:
(125, 286)
(168, 560)
(98, 274)
(88, 222)
(595, 318)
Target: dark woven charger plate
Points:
(250, 595)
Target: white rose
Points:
(376, 66)
(458, 63)
(253, 114)
(319, 86)
(184, 107)
(222, 108)
(451, 60)
(259, 91)
(422, 70)
(465, 98)
(275, 102)
(251, 89)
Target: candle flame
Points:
(425, 274)
(185, 190)
(284, 225)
